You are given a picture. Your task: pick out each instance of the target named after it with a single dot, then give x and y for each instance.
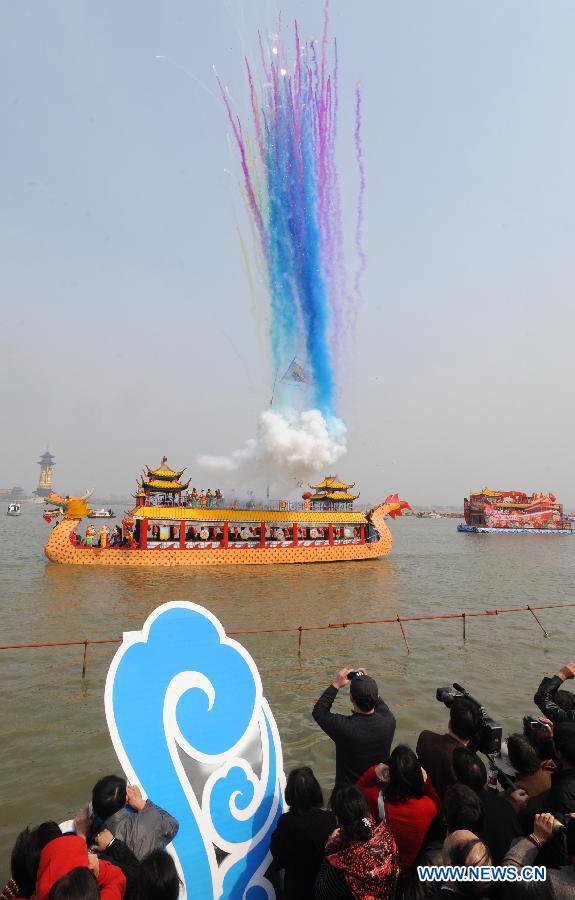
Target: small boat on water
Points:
(173, 526)
(513, 512)
(102, 514)
(14, 509)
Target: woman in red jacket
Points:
(402, 794)
(69, 852)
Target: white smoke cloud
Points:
(299, 444)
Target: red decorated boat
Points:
(513, 512)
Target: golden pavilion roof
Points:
(157, 485)
(332, 483)
(164, 472)
(162, 479)
(334, 495)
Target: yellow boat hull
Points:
(60, 549)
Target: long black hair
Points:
(405, 775)
(26, 854)
(77, 884)
(303, 791)
(352, 813)
(158, 877)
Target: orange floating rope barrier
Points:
(299, 629)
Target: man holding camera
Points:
(559, 882)
(362, 739)
(435, 750)
(547, 700)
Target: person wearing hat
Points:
(362, 739)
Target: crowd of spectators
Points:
(114, 848)
(392, 811)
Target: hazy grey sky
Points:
(125, 328)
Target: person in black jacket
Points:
(102, 842)
(435, 750)
(501, 823)
(301, 834)
(362, 739)
(113, 850)
(547, 698)
(561, 796)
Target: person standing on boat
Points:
(363, 739)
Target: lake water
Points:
(55, 741)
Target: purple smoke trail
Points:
(359, 221)
(338, 271)
(237, 130)
(255, 109)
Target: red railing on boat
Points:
(181, 535)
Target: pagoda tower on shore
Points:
(333, 491)
(162, 480)
(46, 463)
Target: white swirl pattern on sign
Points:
(190, 725)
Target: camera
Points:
(530, 723)
(487, 740)
(352, 675)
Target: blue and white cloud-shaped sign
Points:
(191, 727)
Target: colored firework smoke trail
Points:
(359, 220)
(290, 182)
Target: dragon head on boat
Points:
(395, 505)
(71, 507)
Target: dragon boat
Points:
(513, 512)
(173, 526)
